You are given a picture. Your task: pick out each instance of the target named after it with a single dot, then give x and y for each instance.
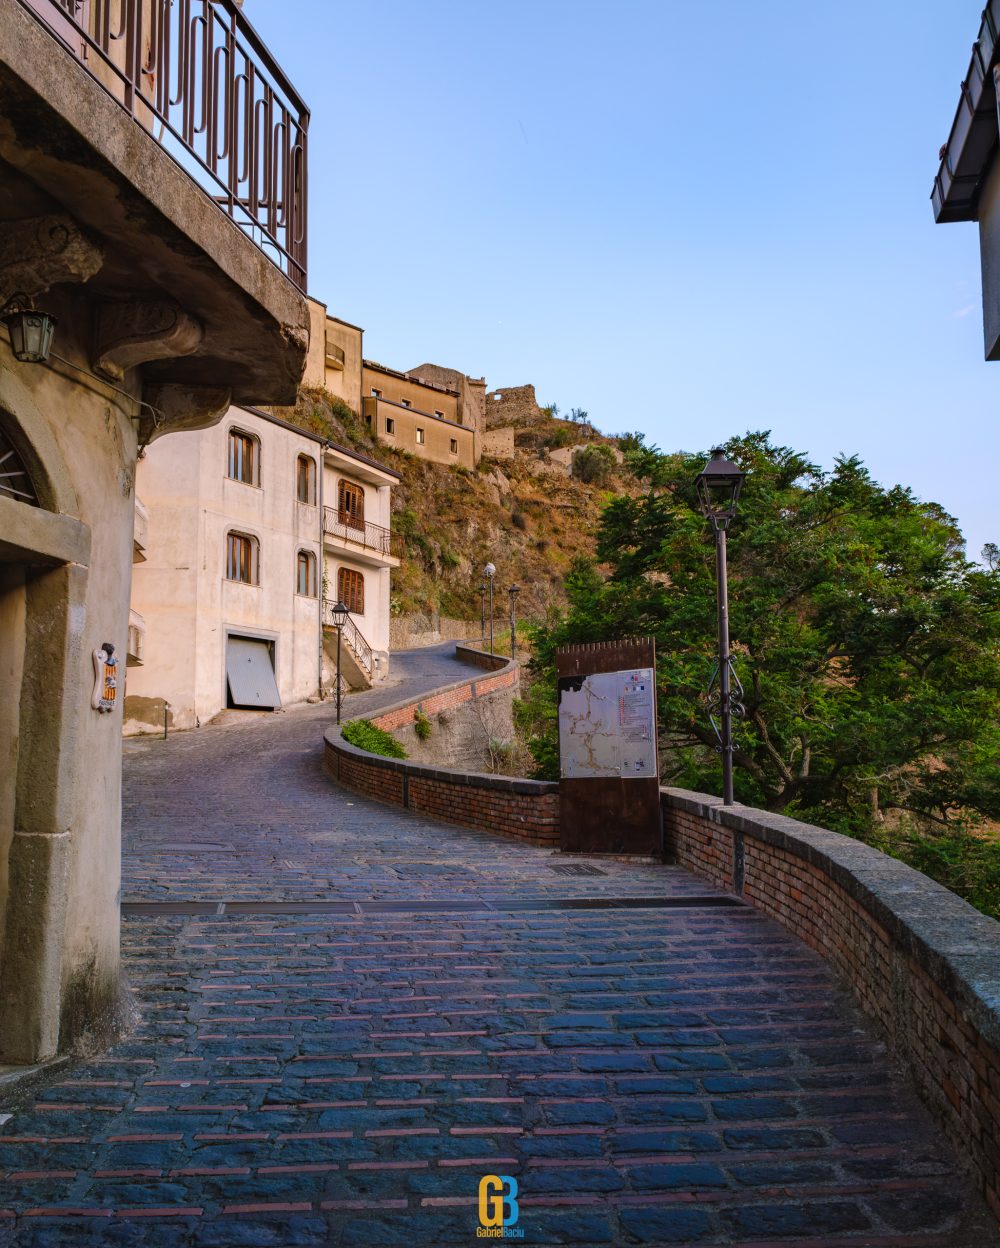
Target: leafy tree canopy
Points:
(867, 645)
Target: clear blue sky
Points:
(687, 218)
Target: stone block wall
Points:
(411, 631)
(923, 963)
(511, 405)
(499, 443)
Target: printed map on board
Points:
(606, 726)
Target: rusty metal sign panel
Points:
(609, 781)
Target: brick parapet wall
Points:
(921, 961)
(481, 658)
(525, 809)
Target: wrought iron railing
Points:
(355, 639)
(373, 536)
(199, 79)
(362, 650)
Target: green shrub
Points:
(558, 437)
(593, 464)
(364, 734)
(421, 726)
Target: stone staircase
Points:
(357, 661)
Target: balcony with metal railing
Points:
(371, 539)
(198, 79)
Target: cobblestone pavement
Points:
(682, 1072)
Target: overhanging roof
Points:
(972, 144)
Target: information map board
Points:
(607, 725)
(609, 783)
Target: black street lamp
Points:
(490, 572)
(514, 590)
(718, 485)
(482, 612)
(339, 616)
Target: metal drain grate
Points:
(574, 868)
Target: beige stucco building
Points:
(254, 529)
(167, 312)
(232, 564)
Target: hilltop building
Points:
(335, 355)
(426, 418)
(140, 241)
(433, 412)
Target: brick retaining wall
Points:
(921, 961)
(526, 809)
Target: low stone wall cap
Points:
(954, 942)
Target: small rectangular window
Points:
(454, 446)
(390, 425)
(405, 403)
(305, 583)
(420, 437)
(437, 413)
(376, 394)
(306, 479)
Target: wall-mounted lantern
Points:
(30, 331)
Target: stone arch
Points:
(44, 569)
(32, 435)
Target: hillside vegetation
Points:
(525, 514)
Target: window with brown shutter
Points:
(351, 505)
(351, 590)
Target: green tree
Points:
(867, 645)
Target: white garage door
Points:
(250, 674)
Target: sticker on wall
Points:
(105, 678)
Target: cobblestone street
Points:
(348, 1015)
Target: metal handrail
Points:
(355, 639)
(362, 650)
(349, 526)
(198, 78)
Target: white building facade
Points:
(359, 553)
(228, 601)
